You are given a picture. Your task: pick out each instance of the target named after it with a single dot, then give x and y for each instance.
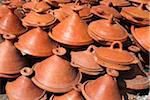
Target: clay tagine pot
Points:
(69, 32)
(62, 78)
(140, 1)
(115, 58)
(41, 45)
(103, 88)
(105, 11)
(35, 19)
(16, 3)
(10, 24)
(23, 88)
(36, 6)
(116, 3)
(11, 60)
(72, 95)
(85, 60)
(134, 79)
(141, 37)
(106, 31)
(136, 15)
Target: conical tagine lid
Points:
(55, 74)
(23, 88)
(35, 42)
(36, 19)
(72, 95)
(11, 60)
(115, 55)
(36, 6)
(10, 24)
(103, 88)
(140, 1)
(69, 31)
(142, 36)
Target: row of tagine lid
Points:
(65, 76)
(75, 38)
(135, 11)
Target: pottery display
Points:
(74, 49)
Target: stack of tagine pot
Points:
(74, 49)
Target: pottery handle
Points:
(112, 72)
(77, 87)
(91, 48)
(134, 48)
(116, 42)
(9, 36)
(59, 51)
(26, 71)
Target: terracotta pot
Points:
(118, 3)
(140, 1)
(41, 45)
(103, 88)
(16, 3)
(10, 24)
(115, 55)
(135, 79)
(141, 36)
(105, 11)
(68, 32)
(11, 60)
(57, 1)
(23, 88)
(72, 95)
(107, 30)
(4, 10)
(35, 19)
(36, 6)
(19, 13)
(136, 15)
(62, 78)
(85, 60)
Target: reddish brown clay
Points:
(36, 19)
(85, 60)
(69, 32)
(115, 55)
(10, 24)
(23, 88)
(135, 79)
(4, 10)
(105, 11)
(9, 75)
(107, 30)
(72, 95)
(140, 1)
(16, 3)
(40, 46)
(141, 36)
(62, 77)
(36, 6)
(103, 88)
(11, 61)
(136, 15)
